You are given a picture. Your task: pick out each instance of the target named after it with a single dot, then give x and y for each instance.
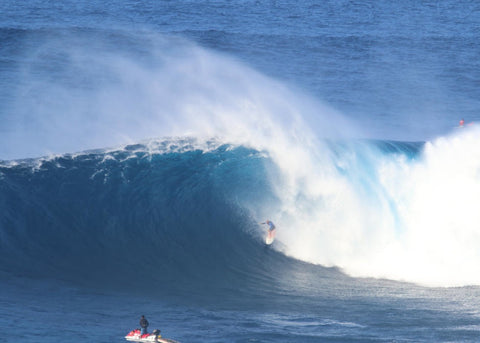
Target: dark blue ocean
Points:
(142, 143)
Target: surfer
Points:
(462, 123)
(143, 325)
(271, 232)
(270, 224)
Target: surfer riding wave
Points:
(270, 224)
(271, 231)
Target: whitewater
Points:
(140, 154)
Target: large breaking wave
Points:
(183, 210)
(186, 210)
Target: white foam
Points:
(389, 216)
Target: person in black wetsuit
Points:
(143, 325)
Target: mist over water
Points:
(344, 202)
(80, 90)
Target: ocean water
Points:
(142, 143)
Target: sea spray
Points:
(98, 94)
(397, 215)
(337, 201)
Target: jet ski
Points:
(154, 337)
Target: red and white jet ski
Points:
(154, 337)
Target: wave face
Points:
(184, 214)
(166, 217)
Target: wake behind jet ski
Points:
(141, 335)
(136, 336)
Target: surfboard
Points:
(270, 237)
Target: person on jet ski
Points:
(143, 325)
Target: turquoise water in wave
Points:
(143, 142)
